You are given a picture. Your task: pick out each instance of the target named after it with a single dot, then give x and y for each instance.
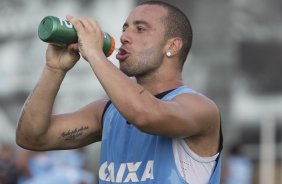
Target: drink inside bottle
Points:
(59, 31)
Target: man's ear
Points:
(174, 46)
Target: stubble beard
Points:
(143, 63)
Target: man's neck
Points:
(156, 86)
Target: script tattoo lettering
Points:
(71, 135)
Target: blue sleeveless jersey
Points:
(131, 156)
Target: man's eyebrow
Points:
(137, 22)
(142, 22)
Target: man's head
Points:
(176, 25)
(151, 30)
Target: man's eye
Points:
(140, 29)
(124, 28)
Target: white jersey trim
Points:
(192, 167)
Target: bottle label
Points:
(65, 23)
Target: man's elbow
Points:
(24, 142)
(21, 140)
(143, 122)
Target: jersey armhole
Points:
(221, 135)
(104, 111)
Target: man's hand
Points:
(61, 58)
(90, 37)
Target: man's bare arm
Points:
(38, 129)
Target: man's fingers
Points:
(68, 17)
(78, 25)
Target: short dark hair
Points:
(177, 25)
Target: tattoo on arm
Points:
(71, 135)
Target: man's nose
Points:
(125, 37)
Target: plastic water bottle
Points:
(60, 31)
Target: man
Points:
(152, 131)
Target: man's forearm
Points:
(115, 83)
(36, 113)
